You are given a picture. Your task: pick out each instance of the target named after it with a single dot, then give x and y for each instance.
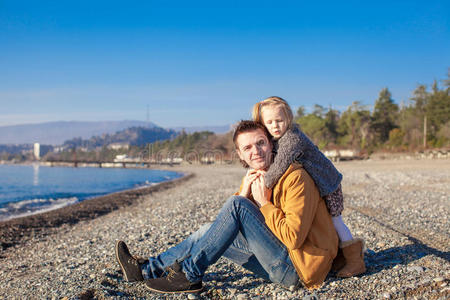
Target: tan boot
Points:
(354, 258)
(338, 261)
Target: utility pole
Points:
(425, 131)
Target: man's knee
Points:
(236, 202)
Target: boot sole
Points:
(175, 292)
(358, 272)
(121, 266)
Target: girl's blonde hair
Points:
(274, 100)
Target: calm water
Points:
(30, 189)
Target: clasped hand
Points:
(254, 185)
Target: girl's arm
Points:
(289, 148)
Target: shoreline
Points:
(21, 229)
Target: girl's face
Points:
(274, 119)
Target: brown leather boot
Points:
(354, 258)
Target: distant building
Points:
(119, 146)
(37, 151)
(124, 158)
(343, 154)
(59, 149)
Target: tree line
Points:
(424, 121)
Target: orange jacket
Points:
(299, 218)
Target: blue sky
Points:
(207, 62)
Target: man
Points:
(285, 235)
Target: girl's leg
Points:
(342, 229)
(335, 205)
(351, 260)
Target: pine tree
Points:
(384, 116)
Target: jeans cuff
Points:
(192, 279)
(144, 271)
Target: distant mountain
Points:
(215, 129)
(55, 133)
(135, 136)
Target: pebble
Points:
(417, 269)
(192, 296)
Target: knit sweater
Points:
(293, 146)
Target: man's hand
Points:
(261, 194)
(249, 178)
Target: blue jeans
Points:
(240, 234)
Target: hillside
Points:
(134, 136)
(55, 133)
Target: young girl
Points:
(291, 144)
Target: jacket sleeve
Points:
(292, 222)
(240, 188)
(289, 148)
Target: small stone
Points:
(192, 296)
(438, 279)
(232, 291)
(312, 296)
(241, 297)
(386, 296)
(92, 276)
(417, 269)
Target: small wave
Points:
(33, 206)
(146, 184)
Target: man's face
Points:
(255, 149)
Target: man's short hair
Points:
(246, 126)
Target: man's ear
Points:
(239, 154)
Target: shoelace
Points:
(132, 261)
(171, 274)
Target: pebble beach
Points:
(400, 208)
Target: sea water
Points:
(30, 189)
